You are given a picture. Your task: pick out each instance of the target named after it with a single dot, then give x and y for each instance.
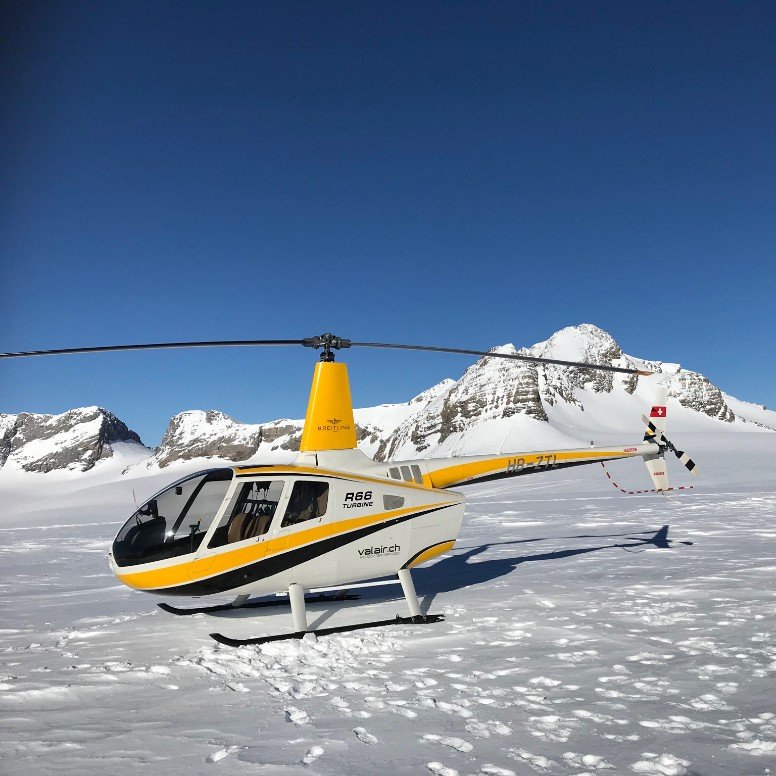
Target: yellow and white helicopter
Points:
(334, 518)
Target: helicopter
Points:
(334, 519)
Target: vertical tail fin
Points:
(658, 414)
(656, 426)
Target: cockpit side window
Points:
(308, 500)
(251, 514)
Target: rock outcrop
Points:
(74, 440)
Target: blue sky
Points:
(444, 173)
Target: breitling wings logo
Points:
(335, 424)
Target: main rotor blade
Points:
(512, 356)
(327, 341)
(152, 346)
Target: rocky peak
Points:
(206, 434)
(490, 389)
(424, 397)
(76, 439)
(586, 343)
(495, 389)
(698, 393)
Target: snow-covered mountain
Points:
(74, 440)
(501, 404)
(495, 405)
(199, 434)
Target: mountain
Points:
(76, 440)
(495, 405)
(501, 404)
(205, 434)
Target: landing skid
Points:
(418, 620)
(182, 612)
(299, 615)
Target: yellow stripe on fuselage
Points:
(432, 552)
(212, 565)
(461, 472)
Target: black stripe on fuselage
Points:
(283, 561)
(425, 549)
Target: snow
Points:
(570, 344)
(754, 413)
(199, 423)
(568, 647)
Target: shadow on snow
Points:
(457, 571)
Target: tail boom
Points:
(471, 470)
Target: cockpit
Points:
(175, 521)
(178, 519)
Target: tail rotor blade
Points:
(657, 437)
(653, 434)
(684, 459)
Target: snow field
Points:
(570, 646)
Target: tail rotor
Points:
(654, 434)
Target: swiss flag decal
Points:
(658, 412)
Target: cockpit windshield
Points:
(175, 521)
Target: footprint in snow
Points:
(441, 770)
(674, 724)
(220, 754)
(590, 762)
(551, 728)
(598, 717)
(453, 708)
(313, 753)
(710, 702)
(661, 765)
(537, 761)
(756, 746)
(297, 716)
(394, 687)
(117, 666)
(399, 707)
(544, 681)
(364, 737)
(485, 729)
(451, 741)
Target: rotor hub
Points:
(329, 342)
